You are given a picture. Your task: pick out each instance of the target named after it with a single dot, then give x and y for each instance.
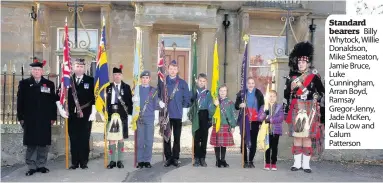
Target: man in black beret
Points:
(82, 112)
(119, 93)
(36, 112)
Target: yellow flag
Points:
(215, 86)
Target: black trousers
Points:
(79, 130)
(176, 127)
(274, 139)
(253, 138)
(220, 153)
(200, 139)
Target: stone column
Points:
(279, 69)
(205, 49)
(244, 29)
(143, 40)
(43, 37)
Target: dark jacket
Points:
(36, 107)
(181, 98)
(126, 96)
(85, 95)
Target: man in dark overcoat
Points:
(36, 112)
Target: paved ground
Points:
(322, 171)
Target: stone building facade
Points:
(173, 22)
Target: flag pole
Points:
(135, 148)
(105, 141)
(66, 131)
(194, 81)
(66, 109)
(246, 39)
(66, 145)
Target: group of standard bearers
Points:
(36, 96)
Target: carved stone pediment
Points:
(162, 13)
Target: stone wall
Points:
(121, 42)
(16, 34)
(13, 150)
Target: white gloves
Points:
(130, 118)
(135, 99)
(242, 105)
(92, 116)
(61, 110)
(156, 117)
(161, 104)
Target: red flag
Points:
(66, 67)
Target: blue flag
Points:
(242, 112)
(101, 79)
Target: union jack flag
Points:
(163, 94)
(66, 67)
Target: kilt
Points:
(318, 143)
(223, 138)
(314, 131)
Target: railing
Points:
(275, 4)
(8, 95)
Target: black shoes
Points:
(84, 166)
(168, 162)
(197, 162)
(42, 170)
(307, 170)
(111, 165)
(250, 165)
(203, 162)
(33, 171)
(119, 164)
(294, 169)
(30, 172)
(176, 163)
(147, 165)
(73, 167)
(173, 162)
(221, 163)
(224, 164)
(246, 165)
(144, 164)
(218, 163)
(140, 165)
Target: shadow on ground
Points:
(155, 173)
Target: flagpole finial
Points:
(194, 36)
(246, 38)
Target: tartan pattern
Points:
(314, 129)
(317, 143)
(223, 138)
(296, 149)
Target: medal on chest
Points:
(45, 89)
(86, 85)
